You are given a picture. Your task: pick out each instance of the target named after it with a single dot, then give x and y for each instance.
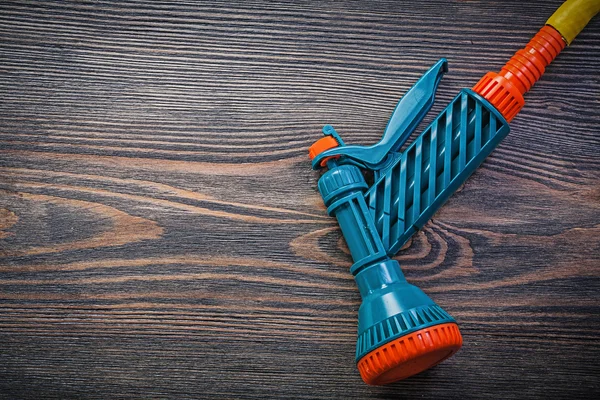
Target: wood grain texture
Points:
(161, 234)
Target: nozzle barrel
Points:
(394, 314)
(342, 188)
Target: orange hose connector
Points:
(505, 90)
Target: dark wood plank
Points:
(162, 235)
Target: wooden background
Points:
(161, 231)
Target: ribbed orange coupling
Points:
(505, 90)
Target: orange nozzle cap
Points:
(321, 145)
(410, 354)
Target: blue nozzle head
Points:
(401, 331)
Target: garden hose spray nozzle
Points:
(401, 331)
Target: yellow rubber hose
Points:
(573, 16)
